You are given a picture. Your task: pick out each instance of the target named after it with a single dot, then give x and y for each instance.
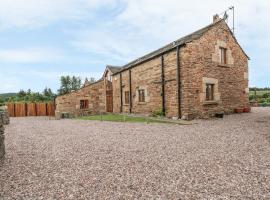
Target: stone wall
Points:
(147, 76)
(201, 65)
(2, 138)
(4, 116)
(199, 61)
(95, 94)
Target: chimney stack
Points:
(216, 18)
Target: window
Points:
(141, 96)
(223, 56)
(127, 97)
(84, 104)
(210, 92)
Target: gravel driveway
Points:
(70, 159)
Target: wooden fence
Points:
(31, 109)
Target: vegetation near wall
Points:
(28, 96)
(260, 95)
(67, 84)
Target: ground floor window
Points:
(126, 97)
(84, 104)
(141, 95)
(210, 92)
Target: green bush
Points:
(157, 113)
(251, 97)
(264, 104)
(262, 101)
(266, 95)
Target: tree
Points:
(92, 80)
(68, 84)
(21, 94)
(29, 92)
(75, 83)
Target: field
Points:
(259, 92)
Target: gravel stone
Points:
(72, 159)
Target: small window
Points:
(210, 92)
(141, 95)
(84, 104)
(223, 55)
(127, 97)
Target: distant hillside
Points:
(4, 95)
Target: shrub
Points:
(251, 97)
(264, 104)
(157, 113)
(262, 101)
(266, 95)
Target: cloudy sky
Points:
(40, 40)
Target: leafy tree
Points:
(75, 83)
(92, 80)
(21, 94)
(68, 84)
(28, 92)
(29, 96)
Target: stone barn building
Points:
(196, 76)
(92, 98)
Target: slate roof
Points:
(182, 41)
(114, 69)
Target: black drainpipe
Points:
(163, 85)
(121, 94)
(130, 93)
(179, 83)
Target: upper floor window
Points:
(126, 97)
(84, 104)
(210, 92)
(141, 95)
(223, 55)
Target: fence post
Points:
(46, 107)
(36, 108)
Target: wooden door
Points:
(109, 101)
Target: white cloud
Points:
(36, 13)
(164, 21)
(29, 55)
(113, 42)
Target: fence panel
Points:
(20, 110)
(41, 109)
(31, 109)
(50, 109)
(10, 108)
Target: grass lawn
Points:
(125, 118)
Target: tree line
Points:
(67, 85)
(259, 89)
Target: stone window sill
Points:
(210, 102)
(223, 65)
(125, 104)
